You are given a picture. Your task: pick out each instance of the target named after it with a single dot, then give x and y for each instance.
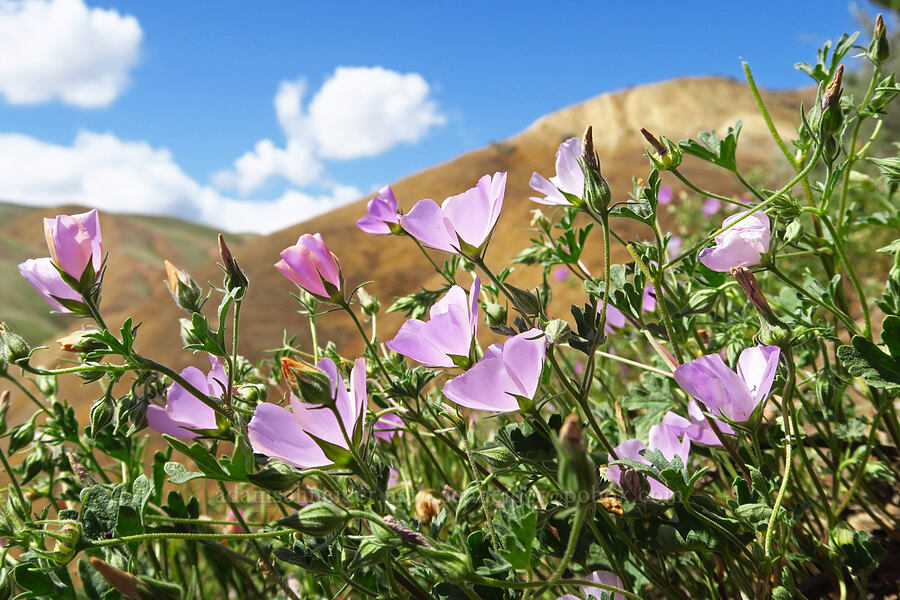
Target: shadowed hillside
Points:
(677, 109)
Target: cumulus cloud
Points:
(114, 175)
(63, 50)
(358, 112)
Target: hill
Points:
(677, 109)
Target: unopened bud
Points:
(427, 506)
(596, 190)
(495, 313)
(76, 342)
(369, 304)
(538, 219)
(101, 414)
(406, 534)
(755, 295)
(48, 384)
(832, 115)
(318, 519)
(557, 331)
(66, 541)
(666, 155)
(879, 49)
(634, 485)
(14, 348)
(449, 494)
(234, 276)
(185, 291)
(576, 471)
(306, 381)
(187, 333)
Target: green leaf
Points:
(179, 474)
(865, 359)
(205, 461)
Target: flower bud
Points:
(66, 542)
(14, 348)
(495, 313)
(48, 384)
(576, 471)
(306, 381)
(369, 304)
(538, 219)
(666, 154)
(76, 342)
(101, 414)
(525, 301)
(634, 485)
(22, 435)
(755, 295)
(185, 291)
(557, 331)
(879, 49)
(830, 105)
(235, 279)
(406, 534)
(318, 519)
(596, 190)
(427, 506)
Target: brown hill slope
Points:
(677, 109)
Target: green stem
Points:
(14, 481)
(372, 349)
(27, 393)
(853, 156)
(703, 192)
(839, 247)
(495, 541)
(766, 117)
(786, 398)
(845, 319)
(143, 537)
(577, 523)
(660, 302)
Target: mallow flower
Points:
(184, 412)
(506, 374)
(696, 427)
(445, 340)
(311, 265)
(296, 436)
(741, 246)
(726, 393)
(383, 217)
(663, 438)
(597, 593)
(463, 223)
(73, 242)
(387, 426)
(569, 176)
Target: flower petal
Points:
(757, 367)
(484, 386)
(274, 432)
(425, 222)
(709, 380)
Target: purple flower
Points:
(663, 438)
(560, 273)
(724, 392)
(615, 318)
(388, 426)
(674, 247)
(711, 206)
(505, 374)
(743, 245)
(446, 338)
(311, 265)
(648, 301)
(291, 434)
(463, 223)
(569, 176)
(383, 217)
(665, 194)
(604, 578)
(74, 241)
(184, 412)
(696, 427)
(47, 281)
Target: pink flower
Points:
(462, 224)
(184, 413)
(724, 392)
(597, 593)
(46, 280)
(383, 217)
(73, 241)
(665, 194)
(311, 265)
(711, 206)
(696, 427)
(560, 273)
(569, 177)
(293, 435)
(663, 438)
(389, 425)
(674, 247)
(742, 245)
(648, 301)
(446, 338)
(506, 373)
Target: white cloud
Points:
(63, 50)
(115, 175)
(364, 111)
(358, 112)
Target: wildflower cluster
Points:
(716, 419)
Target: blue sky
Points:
(193, 86)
